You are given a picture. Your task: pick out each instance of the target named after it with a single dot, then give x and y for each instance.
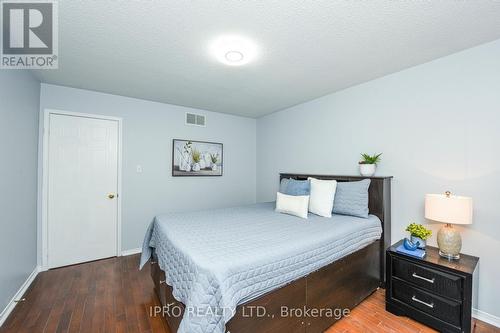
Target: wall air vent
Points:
(195, 119)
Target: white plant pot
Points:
(214, 167)
(185, 166)
(196, 167)
(367, 170)
(421, 243)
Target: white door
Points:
(82, 205)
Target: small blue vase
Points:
(409, 245)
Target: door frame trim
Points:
(44, 175)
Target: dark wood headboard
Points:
(379, 204)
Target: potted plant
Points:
(196, 156)
(214, 158)
(368, 165)
(419, 234)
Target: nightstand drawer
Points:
(432, 280)
(444, 309)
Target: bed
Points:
(250, 269)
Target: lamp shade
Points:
(448, 208)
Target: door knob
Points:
(111, 195)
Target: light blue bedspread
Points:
(217, 259)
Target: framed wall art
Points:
(197, 158)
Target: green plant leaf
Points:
(368, 159)
(418, 230)
(196, 155)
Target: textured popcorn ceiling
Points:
(158, 50)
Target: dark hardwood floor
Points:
(112, 295)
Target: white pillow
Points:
(292, 204)
(321, 196)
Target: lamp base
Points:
(449, 242)
(449, 256)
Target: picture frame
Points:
(192, 158)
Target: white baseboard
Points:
(12, 304)
(486, 317)
(131, 251)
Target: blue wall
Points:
(20, 98)
(438, 126)
(148, 130)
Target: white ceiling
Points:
(158, 50)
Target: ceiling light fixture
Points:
(234, 56)
(233, 50)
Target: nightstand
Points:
(433, 290)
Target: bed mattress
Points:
(217, 259)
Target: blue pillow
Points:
(297, 187)
(283, 185)
(351, 198)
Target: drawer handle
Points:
(415, 299)
(415, 275)
(153, 262)
(162, 281)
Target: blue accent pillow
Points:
(297, 187)
(283, 185)
(351, 198)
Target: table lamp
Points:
(449, 209)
